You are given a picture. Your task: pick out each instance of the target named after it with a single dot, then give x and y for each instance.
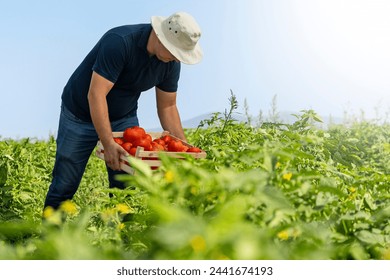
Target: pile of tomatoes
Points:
(136, 136)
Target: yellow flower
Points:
(198, 243)
(169, 176)
(51, 216)
(283, 235)
(68, 207)
(287, 176)
(277, 165)
(121, 226)
(48, 212)
(123, 208)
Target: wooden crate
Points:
(149, 157)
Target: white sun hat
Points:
(179, 33)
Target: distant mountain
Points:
(194, 122)
(283, 117)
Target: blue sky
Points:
(326, 55)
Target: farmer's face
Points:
(163, 54)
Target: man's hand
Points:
(112, 154)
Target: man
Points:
(101, 95)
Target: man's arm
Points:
(168, 113)
(98, 90)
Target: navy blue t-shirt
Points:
(121, 57)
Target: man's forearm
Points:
(98, 90)
(170, 121)
(97, 100)
(100, 118)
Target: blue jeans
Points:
(76, 140)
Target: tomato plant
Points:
(286, 191)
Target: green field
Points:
(266, 191)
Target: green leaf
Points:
(368, 201)
(140, 166)
(370, 237)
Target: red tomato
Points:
(194, 150)
(127, 146)
(132, 151)
(149, 137)
(159, 141)
(143, 142)
(118, 140)
(157, 147)
(166, 139)
(131, 134)
(140, 129)
(176, 146)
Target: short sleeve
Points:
(111, 57)
(170, 83)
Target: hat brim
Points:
(193, 56)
